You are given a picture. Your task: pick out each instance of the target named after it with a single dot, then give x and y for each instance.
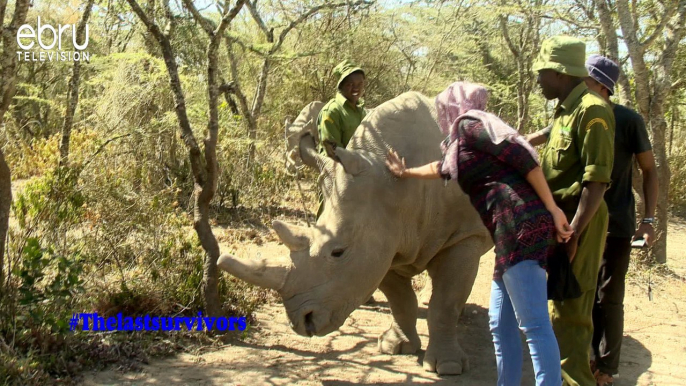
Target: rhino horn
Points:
(294, 237)
(260, 272)
(352, 162)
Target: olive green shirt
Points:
(580, 146)
(338, 120)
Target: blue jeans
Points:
(520, 302)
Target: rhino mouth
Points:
(310, 328)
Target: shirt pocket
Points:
(563, 156)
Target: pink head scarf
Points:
(468, 100)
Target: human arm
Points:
(595, 132)
(591, 198)
(537, 180)
(539, 137)
(646, 161)
(396, 165)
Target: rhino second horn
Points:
(260, 272)
(292, 236)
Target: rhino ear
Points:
(294, 237)
(352, 162)
(308, 151)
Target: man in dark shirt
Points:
(631, 139)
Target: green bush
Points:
(48, 285)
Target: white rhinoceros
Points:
(377, 231)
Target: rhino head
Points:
(336, 265)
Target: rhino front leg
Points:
(452, 272)
(401, 337)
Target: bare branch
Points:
(171, 22)
(587, 10)
(3, 8)
(8, 60)
(175, 84)
(228, 17)
(206, 24)
(310, 12)
(666, 17)
(246, 46)
(506, 35)
(242, 100)
(150, 24)
(102, 147)
(674, 34)
(252, 6)
(73, 90)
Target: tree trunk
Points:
(607, 24)
(658, 126)
(211, 273)
(242, 100)
(650, 100)
(8, 77)
(257, 105)
(73, 91)
(522, 49)
(5, 203)
(204, 170)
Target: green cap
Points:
(564, 54)
(343, 69)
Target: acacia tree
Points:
(651, 31)
(251, 111)
(608, 39)
(8, 76)
(653, 85)
(203, 161)
(524, 45)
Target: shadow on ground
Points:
(635, 361)
(277, 356)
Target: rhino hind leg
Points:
(401, 337)
(452, 272)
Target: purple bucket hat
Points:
(603, 70)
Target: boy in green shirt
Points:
(340, 117)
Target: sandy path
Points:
(654, 350)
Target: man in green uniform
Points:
(577, 163)
(340, 117)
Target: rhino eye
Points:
(338, 252)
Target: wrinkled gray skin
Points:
(377, 231)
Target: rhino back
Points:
(407, 124)
(431, 215)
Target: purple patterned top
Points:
(493, 175)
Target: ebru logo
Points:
(47, 38)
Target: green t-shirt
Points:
(631, 138)
(338, 120)
(580, 147)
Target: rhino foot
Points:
(393, 341)
(446, 361)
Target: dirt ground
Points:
(654, 350)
